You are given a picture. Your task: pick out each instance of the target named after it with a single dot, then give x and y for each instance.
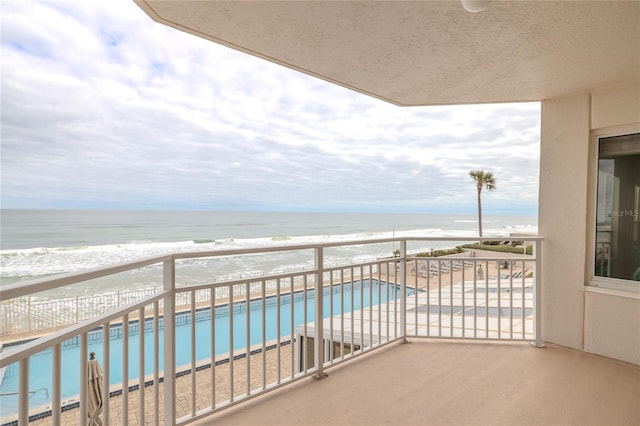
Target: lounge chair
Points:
(423, 272)
(439, 266)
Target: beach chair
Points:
(457, 265)
(438, 266)
(422, 272)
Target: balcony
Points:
(263, 331)
(456, 383)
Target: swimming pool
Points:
(40, 363)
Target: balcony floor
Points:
(438, 382)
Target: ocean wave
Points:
(203, 241)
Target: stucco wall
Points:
(615, 106)
(562, 216)
(595, 320)
(612, 319)
(612, 326)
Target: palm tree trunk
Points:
(479, 213)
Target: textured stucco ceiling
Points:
(429, 52)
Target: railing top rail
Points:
(245, 280)
(271, 249)
(11, 355)
(24, 288)
(511, 257)
(492, 238)
(14, 290)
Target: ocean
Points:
(40, 243)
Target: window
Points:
(617, 242)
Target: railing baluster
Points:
(125, 369)
(371, 305)
(264, 334)
(523, 296)
(428, 298)
(319, 340)
(475, 299)
(499, 299)
(56, 367)
(463, 297)
(303, 344)
(331, 314)
(439, 299)
(169, 346)
(388, 312)
(537, 295)
(23, 392)
(351, 310)
(403, 290)
(278, 321)
(141, 363)
(486, 297)
(192, 327)
(212, 307)
(362, 307)
(450, 298)
(379, 308)
(292, 345)
(394, 291)
(248, 336)
(342, 312)
(156, 365)
(231, 291)
(511, 299)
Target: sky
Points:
(102, 108)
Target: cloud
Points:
(104, 108)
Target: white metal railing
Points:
(26, 315)
(213, 345)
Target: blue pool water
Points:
(40, 364)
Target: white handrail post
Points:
(169, 347)
(537, 294)
(23, 392)
(319, 326)
(84, 358)
(403, 290)
(56, 367)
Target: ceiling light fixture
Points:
(475, 6)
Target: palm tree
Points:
(487, 180)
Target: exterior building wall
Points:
(597, 320)
(615, 106)
(612, 325)
(612, 318)
(562, 216)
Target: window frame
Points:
(617, 284)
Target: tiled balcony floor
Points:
(438, 382)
